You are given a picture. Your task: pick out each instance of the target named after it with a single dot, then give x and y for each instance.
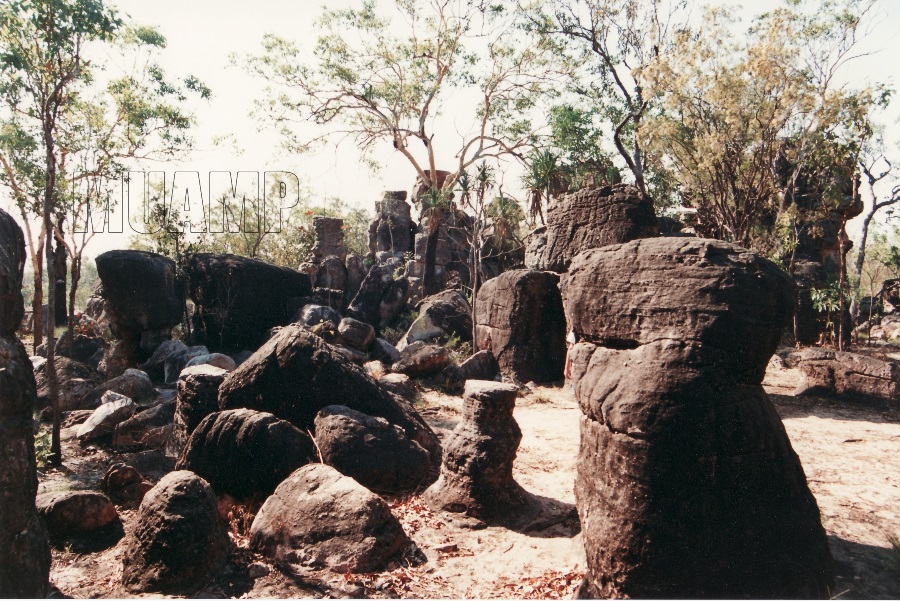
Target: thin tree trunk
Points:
(52, 382)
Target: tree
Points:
(878, 170)
(611, 44)
(61, 129)
(379, 88)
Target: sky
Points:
(203, 34)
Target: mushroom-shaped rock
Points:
(519, 318)
(319, 518)
(687, 485)
(476, 474)
(179, 540)
(295, 374)
(370, 450)
(243, 452)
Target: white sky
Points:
(202, 34)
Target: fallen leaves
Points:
(551, 585)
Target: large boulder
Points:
(687, 485)
(179, 541)
(477, 471)
(77, 514)
(357, 334)
(295, 374)
(319, 518)
(144, 299)
(849, 375)
(480, 366)
(590, 218)
(242, 452)
(154, 366)
(75, 380)
(197, 395)
(24, 548)
(239, 299)
(378, 286)
(149, 429)
(105, 418)
(519, 318)
(420, 360)
(370, 450)
(124, 484)
(134, 384)
(444, 314)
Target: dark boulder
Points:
(379, 284)
(134, 384)
(420, 360)
(319, 518)
(79, 515)
(687, 485)
(295, 374)
(370, 450)
(239, 299)
(590, 218)
(124, 484)
(144, 300)
(75, 381)
(179, 541)
(242, 452)
(480, 366)
(519, 317)
(441, 315)
(149, 429)
(197, 395)
(12, 269)
(357, 334)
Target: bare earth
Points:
(851, 455)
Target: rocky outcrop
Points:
(319, 518)
(392, 230)
(24, 549)
(75, 381)
(144, 299)
(370, 450)
(329, 240)
(197, 395)
(134, 384)
(105, 418)
(476, 474)
(519, 318)
(590, 218)
(849, 375)
(380, 298)
(687, 485)
(179, 540)
(243, 452)
(295, 375)
(238, 299)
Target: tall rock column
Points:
(24, 550)
(687, 485)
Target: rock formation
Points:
(687, 485)
(239, 299)
(319, 518)
(24, 550)
(849, 375)
(329, 239)
(476, 474)
(391, 232)
(197, 395)
(590, 218)
(519, 318)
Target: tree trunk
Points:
(59, 257)
(52, 381)
(73, 290)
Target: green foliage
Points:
(42, 453)
(401, 324)
(460, 350)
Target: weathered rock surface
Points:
(384, 351)
(154, 366)
(313, 315)
(149, 429)
(687, 485)
(319, 518)
(357, 334)
(178, 360)
(444, 314)
(243, 452)
(295, 375)
(197, 395)
(134, 384)
(392, 230)
(400, 385)
(215, 359)
(77, 514)
(179, 540)
(238, 299)
(329, 240)
(105, 418)
(24, 550)
(519, 318)
(379, 287)
(420, 360)
(476, 474)
(143, 299)
(590, 218)
(849, 375)
(75, 381)
(124, 484)
(370, 450)
(480, 366)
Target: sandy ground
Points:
(851, 455)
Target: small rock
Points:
(258, 570)
(105, 418)
(356, 333)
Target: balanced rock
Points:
(319, 518)
(370, 450)
(687, 485)
(519, 318)
(476, 474)
(590, 218)
(295, 374)
(239, 299)
(243, 452)
(197, 395)
(179, 541)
